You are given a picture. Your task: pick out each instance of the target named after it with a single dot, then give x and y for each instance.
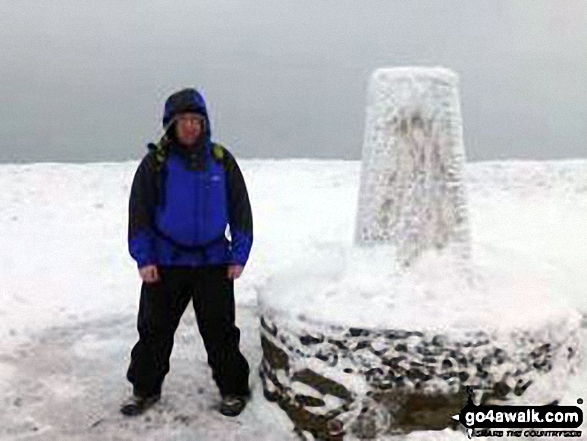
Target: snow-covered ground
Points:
(69, 290)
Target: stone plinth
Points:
(356, 383)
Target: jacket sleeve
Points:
(239, 213)
(140, 213)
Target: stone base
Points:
(336, 382)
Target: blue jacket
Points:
(189, 206)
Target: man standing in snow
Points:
(186, 191)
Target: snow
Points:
(69, 290)
(411, 194)
(360, 287)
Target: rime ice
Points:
(411, 194)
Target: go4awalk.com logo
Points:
(518, 421)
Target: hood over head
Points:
(185, 100)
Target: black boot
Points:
(233, 405)
(137, 405)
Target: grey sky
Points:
(86, 80)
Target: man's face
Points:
(188, 127)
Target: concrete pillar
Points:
(412, 195)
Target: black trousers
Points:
(161, 306)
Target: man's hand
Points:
(149, 274)
(235, 271)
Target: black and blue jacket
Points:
(184, 202)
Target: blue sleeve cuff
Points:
(241, 247)
(142, 263)
(141, 249)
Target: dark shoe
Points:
(233, 405)
(136, 405)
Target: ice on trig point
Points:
(382, 334)
(412, 194)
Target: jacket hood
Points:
(185, 100)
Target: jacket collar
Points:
(193, 156)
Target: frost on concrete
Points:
(411, 194)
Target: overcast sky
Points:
(86, 80)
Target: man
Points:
(185, 193)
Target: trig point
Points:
(412, 195)
(386, 335)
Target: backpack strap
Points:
(218, 152)
(160, 151)
(221, 155)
